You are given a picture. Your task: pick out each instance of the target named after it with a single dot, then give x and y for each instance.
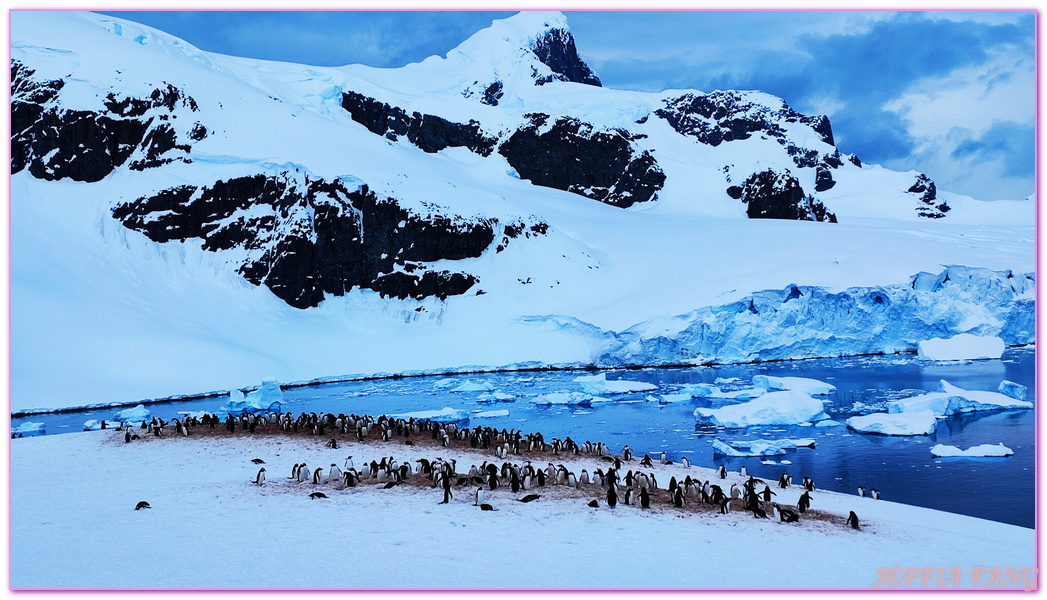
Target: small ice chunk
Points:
(1014, 390)
(496, 397)
(474, 386)
(941, 450)
(138, 413)
(799, 384)
(828, 423)
(964, 346)
(490, 414)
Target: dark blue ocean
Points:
(901, 468)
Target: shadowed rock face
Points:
(773, 195)
(305, 238)
(55, 143)
(557, 51)
(572, 156)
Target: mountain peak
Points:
(541, 35)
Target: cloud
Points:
(1008, 139)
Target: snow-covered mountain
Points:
(184, 221)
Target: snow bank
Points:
(941, 450)
(772, 408)
(798, 384)
(921, 422)
(964, 346)
(597, 385)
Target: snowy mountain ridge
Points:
(213, 220)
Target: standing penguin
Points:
(645, 498)
(629, 496)
(875, 494)
(861, 492)
(722, 472)
(612, 497)
(678, 497)
(686, 463)
(743, 472)
(627, 454)
(349, 462)
(260, 477)
(316, 474)
(783, 481)
(852, 520)
(480, 497)
(804, 502)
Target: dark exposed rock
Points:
(55, 143)
(429, 132)
(927, 194)
(557, 51)
(305, 238)
(735, 192)
(492, 94)
(772, 195)
(823, 179)
(573, 156)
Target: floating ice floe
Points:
(490, 414)
(444, 415)
(756, 448)
(93, 425)
(473, 386)
(796, 384)
(951, 400)
(670, 398)
(941, 450)
(828, 423)
(772, 408)
(496, 397)
(138, 413)
(28, 428)
(598, 384)
(727, 380)
(1013, 390)
(920, 422)
(567, 398)
(964, 346)
(267, 398)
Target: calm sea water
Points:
(901, 468)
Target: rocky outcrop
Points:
(557, 51)
(927, 195)
(304, 238)
(772, 195)
(55, 143)
(574, 156)
(429, 132)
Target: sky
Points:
(950, 94)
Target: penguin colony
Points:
(513, 479)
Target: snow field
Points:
(275, 536)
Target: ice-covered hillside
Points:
(185, 222)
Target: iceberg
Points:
(773, 408)
(920, 422)
(941, 450)
(964, 346)
(799, 384)
(952, 400)
(138, 413)
(444, 415)
(700, 390)
(267, 398)
(28, 428)
(756, 448)
(598, 384)
(473, 386)
(1013, 390)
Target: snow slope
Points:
(101, 312)
(209, 527)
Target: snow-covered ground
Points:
(74, 525)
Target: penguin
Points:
(584, 477)
(316, 495)
(808, 484)
(316, 474)
(852, 520)
(725, 506)
(783, 481)
(334, 474)
(260, 478)
(645, 498)
(767, 493)
(294, 471)
(646, 462)
(804, 503)
(479, 497)
(786, 516)
(492, 480)
(349, 478)
(875, 494)
(735, 491)
(686, 463)
(759, 512)
(486, 507)
(678, 497)
(127, 436)
(663, 458)
(722, 472)
(861, 492)
(743, 472)
(390, 485)
(572, 481)
(612, 497)
(627, 454)
(594, 504)
(303, 472)
(530, 497)
(628, 501)
(141, 505)
(258, 461)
